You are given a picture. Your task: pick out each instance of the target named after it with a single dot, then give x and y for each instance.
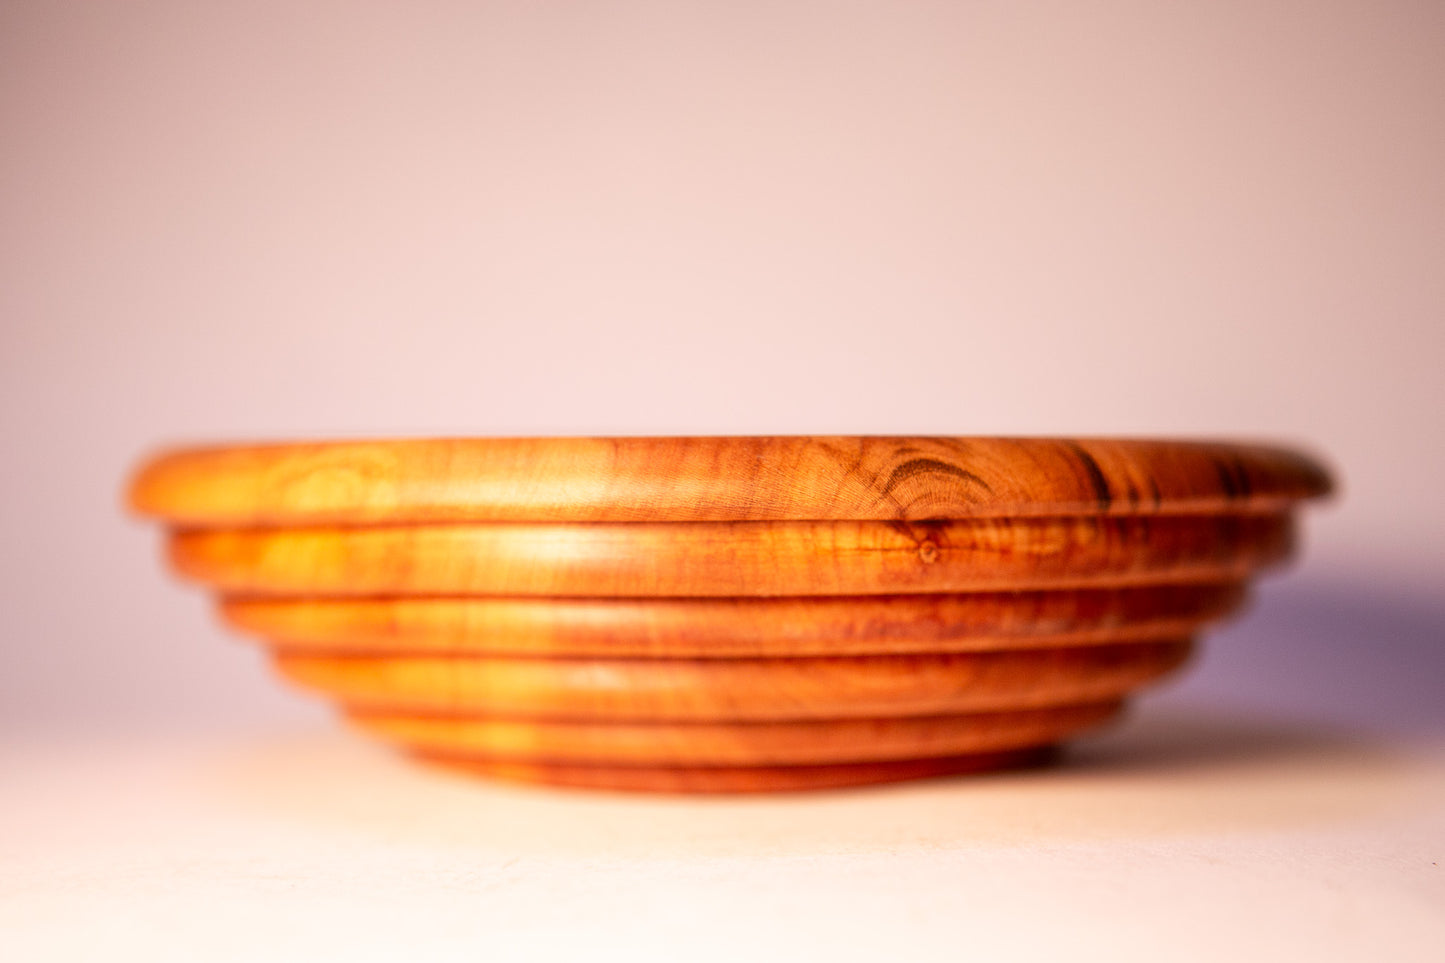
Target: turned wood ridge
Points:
(727, 614)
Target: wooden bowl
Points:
(727, 614)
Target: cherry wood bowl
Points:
(727, 614)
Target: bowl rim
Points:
(715, 478)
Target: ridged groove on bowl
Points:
(728, 614)
(732, 559)
(736, 689)
(740, 779)
(735, 627)
(811, 742)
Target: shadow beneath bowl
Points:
(1355, 651)
(1186, 742)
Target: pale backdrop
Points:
(281, 220)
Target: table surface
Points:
(1181, 835)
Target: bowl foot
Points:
(741, 779)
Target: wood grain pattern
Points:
(732, 559)
(733, 627)
(734, 690)
(740, 779)
(727, 614)
(713, 479)
(735, 744)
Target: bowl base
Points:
(740, 779)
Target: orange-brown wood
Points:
(732, 690)
(727, 614)
(734, 627)
(811, 742)
(713, 479)
(741, 779)
(732, 559)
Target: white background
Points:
(284, 220)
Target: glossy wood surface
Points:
(713, 479)
(731, 559)
(740, 779)
(735, 744)
(733, 627)
(727, 614)
(720, 690)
